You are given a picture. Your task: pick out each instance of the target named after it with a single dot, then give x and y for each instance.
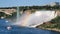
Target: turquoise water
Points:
(21, 30)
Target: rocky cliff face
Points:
(58, 13)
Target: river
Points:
(14, 29)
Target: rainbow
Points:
(25, 21)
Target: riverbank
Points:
(52, 29)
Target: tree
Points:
(2, 14)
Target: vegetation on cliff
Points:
(54, 24)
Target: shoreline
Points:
(52, 29)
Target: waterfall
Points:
(18, 14)
(37, 18)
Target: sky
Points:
(10, 3)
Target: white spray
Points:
(36, 18)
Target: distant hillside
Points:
(50, 6)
